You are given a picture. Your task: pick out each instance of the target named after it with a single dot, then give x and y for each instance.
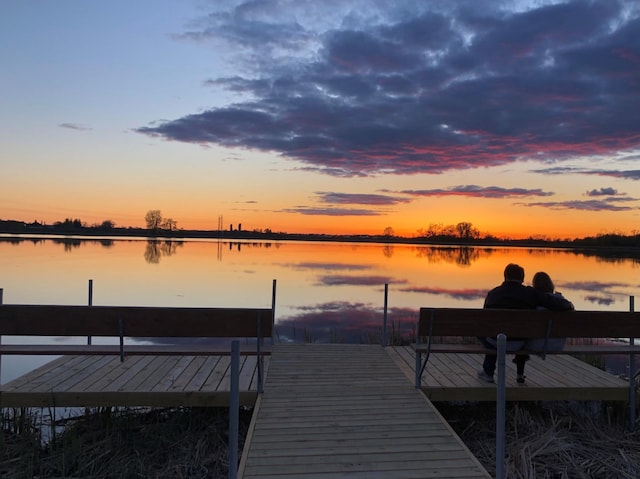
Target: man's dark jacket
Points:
(514, 295)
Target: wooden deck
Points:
(204, 380)
(96, 380)
(453, 377)
(346, 411)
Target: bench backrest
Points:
(54, 320)
(528, 323)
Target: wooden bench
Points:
(130, 322)
(458, 322)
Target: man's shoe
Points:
(484, 376)
(521, 378)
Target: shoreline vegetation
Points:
(460, 235)
(543, 440)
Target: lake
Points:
(325, 291)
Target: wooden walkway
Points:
(93, 381)
(346, 411)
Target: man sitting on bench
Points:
(513, 294)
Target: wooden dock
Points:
(453, 377)
(346, 411)
(96, 380)
(328, 411)
(93, 381)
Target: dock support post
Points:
(234, 406)
(632, 376)
(384, 321)
(501, 407)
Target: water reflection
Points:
(156, 249)
(346, 322)
(460, 255)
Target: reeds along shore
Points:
(544, 440)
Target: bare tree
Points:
(466, 230)
(153, 218)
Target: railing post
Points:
(501, 407)
(384, 321)
(259, 362)
(1, 292)
(90, 303)
(632, 376)
(273, 312)
(121, 331)
(234, 406)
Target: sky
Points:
(342, 117)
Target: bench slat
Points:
(528, 323)
(155, 350)
(55, 320)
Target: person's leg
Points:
(520, 360)
(489, 363)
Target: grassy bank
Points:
(556, 440)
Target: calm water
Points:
(325, 291)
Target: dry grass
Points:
(143, 443)
(554, 440)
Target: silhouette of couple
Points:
(513, 294)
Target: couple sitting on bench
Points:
(513, 294)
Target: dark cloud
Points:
(359, 199)
(422, 87)
(589, 205)
(627, 175)
(480, 191)
(607, 191)
(306, 210)
(75, 126)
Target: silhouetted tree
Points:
(153, 218)
(169, 224)
(466, 230)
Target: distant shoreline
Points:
(608, 245)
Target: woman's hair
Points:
(542, 281)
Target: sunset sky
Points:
(332, 116)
